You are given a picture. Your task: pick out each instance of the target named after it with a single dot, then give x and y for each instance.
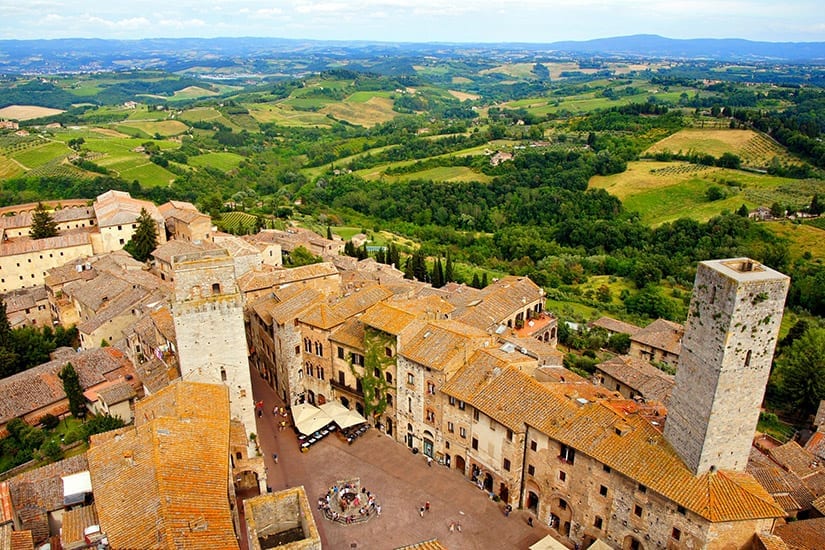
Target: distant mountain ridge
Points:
(172, 54)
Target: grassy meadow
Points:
(753, 148)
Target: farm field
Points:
(373, 111)
(164, 128)
(665, 191)
(753, 148)
(41, 154)
(191, 92)
(147, 173)
(27, 112)
(221, 161)
(802, 238)
(9, 168)
(284, 115)
(442, 173)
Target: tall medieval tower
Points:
(209, 328)
(727, 349)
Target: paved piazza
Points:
(402, 482)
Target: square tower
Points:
(209, 328)
(730, 336)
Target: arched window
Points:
(430, 416)
(430, 388)
(389, 377)
(223, 374)
(321, 373)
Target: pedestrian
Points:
(452, 526)
(530, 521)
(378, 509)
(421, 511)
(429, 462)
(260, 413)
(275, 457)
(427, 506)
(458, 526)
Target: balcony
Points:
(344, 387)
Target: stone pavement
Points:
(401, 481)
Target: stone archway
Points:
(532, 503)
(560, 515)
(460, 465)
(632, 543)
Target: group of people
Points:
(344, 503)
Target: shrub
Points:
(49, 421)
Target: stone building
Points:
(660, 341)
(24, 262)
(183, 222)
(27, 307)
(209, 327)
(730, 336)
(634, 378)
(117, 213)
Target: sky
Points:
(415, 20)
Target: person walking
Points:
(427, 506)
(421, 511)
(275, 457)
(530, 521)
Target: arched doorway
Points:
(533, 502)
(560, 516)
(447, 460)
(631, 543)
(389, 426)
(311, 397)
(504, 492)
(488, 482)
(460, 464)
(410, 441)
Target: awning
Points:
(309, 418)
(548, 543)
(341, 415)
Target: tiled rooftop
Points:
(496, 302)
(661, 334)
(614, 325)
(172, 467)
(26, 245)
(808, 534)
(639, 375)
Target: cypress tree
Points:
(484, 280)
(145, 238)
(476, 283)
(43, 224)
(329, 233)
(73, 390)
(438, 274)
(448, 269)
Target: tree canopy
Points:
(145, 238)
(73, 390)
(43, 224)
(802, 369)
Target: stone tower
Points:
(209, 328)
(727, 349)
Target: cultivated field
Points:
(164, 127)
(665, 191)
(27, 112)
(192, 92)
(802, 237)
(753, 148)
(284, 115)
(463, 96)
(9, 168)
(374, 110)
(221, 161)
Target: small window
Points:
(388, 351)
(533, 445)
(681, 510)
(462, 432)
(509, 434)
(430, 416)
(506, 464)
(450, 427)
(748, 358)
(223, 375)
(603, 490)
(606, 468)
(389, 399)
(531, 470)
(430, 388)
(388, 376)
(410, 378)
(216, 288)
(475, 444)
(637, 511)
(461, 405)
(452, 401)
(597, 523)
(568, 454)
(642, 488)
(562, 504)
(676, 534)
(340, 352)
(475, 415)
(562, 476)
(297, 350)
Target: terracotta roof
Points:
(5, 536)
(75, 521)
(118, 207)
(235, 245)
(496, 302)
(661, 334)
(37, 492)
(272, 277)
(641, 453)
(388, 317)
(6, 510)
(323, 317)
(807, 534)
(819, 504)
(639, 375)
(442, 345)
(770, 541)
(351, 334)
(40, 386)
(24, 298)
(153, 374)
(26, 245)
(795, 459)
(117, 393)
(819, 419)
(173, 467)
(295, 305)
(360, 300)
(163, 321)
(62, 215)
(816, 444)
(22, 540)
(614, 325)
